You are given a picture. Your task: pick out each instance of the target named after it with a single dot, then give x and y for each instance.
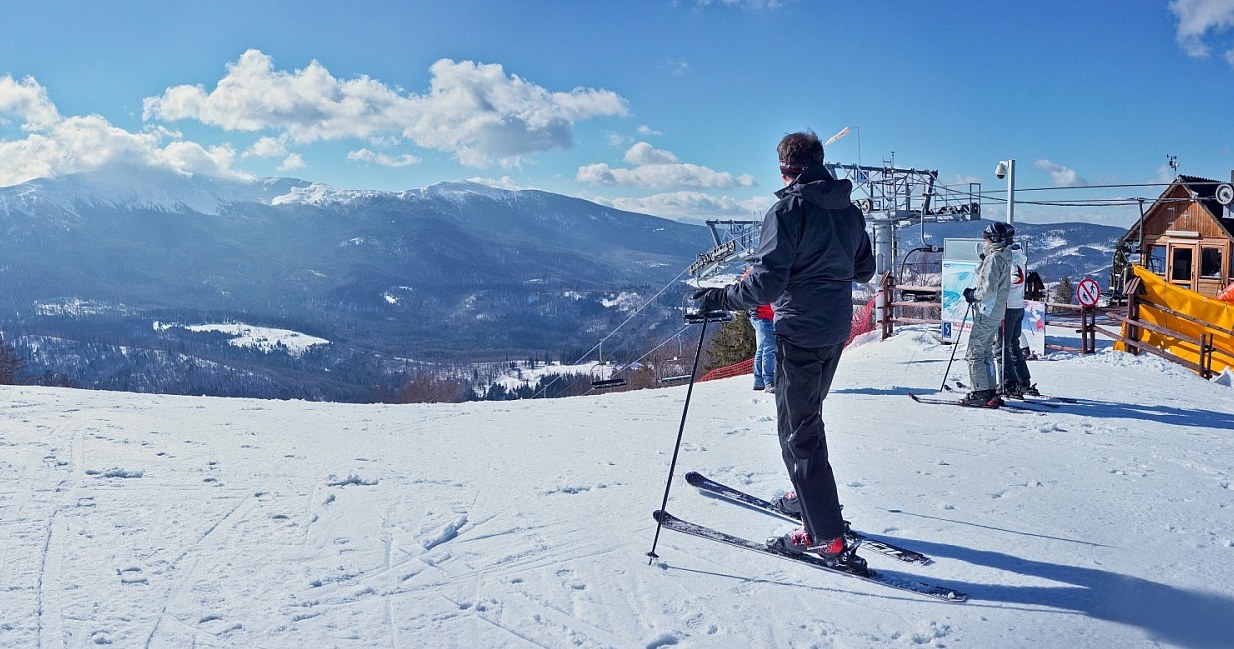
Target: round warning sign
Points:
(1225, 193)
(1087, 292)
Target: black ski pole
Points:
(957, 346)
(677, 448)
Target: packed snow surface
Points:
(156, 521)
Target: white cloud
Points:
(1061, 176)
(643, 153)
(659, 169)
(292, 162)
(1196, 18)
(56, 145)
(694, 206)
(647, 131)
(382, 159)
(475, 111)
(679, 68)
(27, 100)
(960, 182)
(267, 147)
(662, 176)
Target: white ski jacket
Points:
(993, 279)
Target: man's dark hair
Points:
(800, 150)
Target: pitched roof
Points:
(1205, 191)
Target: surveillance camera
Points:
(1001, 170)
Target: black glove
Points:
(710, 299)
(968, 295)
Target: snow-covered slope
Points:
(148, 521)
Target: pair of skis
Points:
(1038, 399)
(945, 401)
(857, 571)
(1022, 404)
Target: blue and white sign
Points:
(960, 260)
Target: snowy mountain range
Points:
(454, 272)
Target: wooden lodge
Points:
(1186, 237)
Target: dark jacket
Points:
(813, 247)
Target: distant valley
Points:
(141, 281)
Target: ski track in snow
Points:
(154, 521)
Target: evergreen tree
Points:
(733, 343)
(1064, 291)
(10, 364)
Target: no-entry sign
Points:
(1087, 292)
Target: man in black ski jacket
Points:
(813, 247)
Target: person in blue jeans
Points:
(763, 320)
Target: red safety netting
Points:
(744, 367)
(863, 323)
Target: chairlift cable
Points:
(610, 334)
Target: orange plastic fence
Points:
(863, 322)
(744, 367)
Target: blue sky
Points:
(667, 107)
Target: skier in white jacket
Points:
(988, 301)
(1017, 381)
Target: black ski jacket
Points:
(813, 247)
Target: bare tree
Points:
(429, 388)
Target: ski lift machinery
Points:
(892, 198)
(735, 240)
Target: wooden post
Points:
(888, 290)
(1133, 314)
(1206, 355)
(1088, 325)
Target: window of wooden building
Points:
(1180, 264)
(1156, 260)
(1210, 263)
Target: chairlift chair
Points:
(599, 382)
(599, 378)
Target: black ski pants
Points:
(803, 378)
(1015, 369)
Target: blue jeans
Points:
(764, 352)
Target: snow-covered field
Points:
(156, 521)
(266, 339)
